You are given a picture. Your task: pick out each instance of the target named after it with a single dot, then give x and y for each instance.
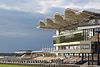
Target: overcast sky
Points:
(19, 18)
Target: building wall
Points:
(76, 43)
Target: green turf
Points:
(6, 65)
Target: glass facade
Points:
(89, 33)
(68, 38)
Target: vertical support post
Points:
(82, 57)
(98, 36)
(92, 59)
(98, 59)
(84, 34)
(88, 59)
(85, 55)
(93, 32)
(58, 32)
(98, 49)
(79, 55)
(73, 54)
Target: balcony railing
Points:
(73, 51)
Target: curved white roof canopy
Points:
(70, 20)
(58, 18)
(50, 23)
(69, 13)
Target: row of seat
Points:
(23, 61)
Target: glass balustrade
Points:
(68, 38)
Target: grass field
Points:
(6, 65)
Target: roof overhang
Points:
(71, 20)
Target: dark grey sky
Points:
(18, 31)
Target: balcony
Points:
(67, 51)
(73, 51)
(68, 38)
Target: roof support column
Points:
(58, 32)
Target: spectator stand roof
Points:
(71, 20)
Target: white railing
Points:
(50, 50)
(73, 51)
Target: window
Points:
(67, 47)
(85, 46)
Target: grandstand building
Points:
(77, 35)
